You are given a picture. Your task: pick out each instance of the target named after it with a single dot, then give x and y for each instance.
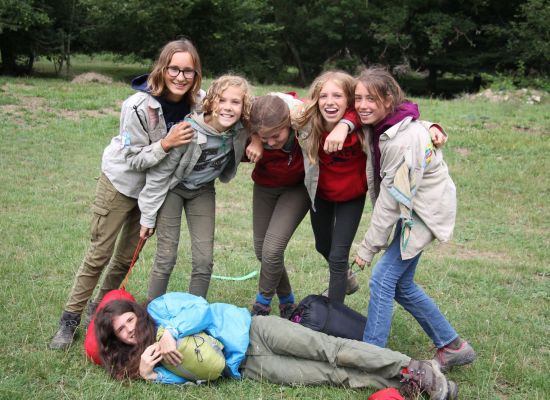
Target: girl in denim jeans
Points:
(412, 191)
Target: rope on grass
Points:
(236, 278)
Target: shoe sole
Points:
(467, 359)
(452, 388)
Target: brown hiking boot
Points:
(448, 357)
(65, 334)
(260, 309)
(286, 310)
(426, 377)
(352, 285)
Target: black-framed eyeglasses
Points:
(174, 71)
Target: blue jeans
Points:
(393, 278)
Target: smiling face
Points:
(370, 109)
(227, 109)
(276, 139)
(179, 85)
(332, 103)
(124, 326)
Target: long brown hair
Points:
(312, 119)
(122, 360)
(382, 86)
(269, 113)
(156, 77)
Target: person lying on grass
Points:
(260, 347)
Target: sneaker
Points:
(90, 311)
(447, 357)
(260, 309)
(286, 310)
(426, 377)
(352, 285)
(65, 334)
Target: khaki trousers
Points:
(200, 212)
(114, 216)
(283, 352)
(277, 212)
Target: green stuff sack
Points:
(202, 357)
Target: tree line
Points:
(287, 41)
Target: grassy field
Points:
(492, 281)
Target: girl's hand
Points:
(255, 150)
(146, 233)
(360, 262)
(167, 346)
(181, 133)
(438, 137)
(150, 357)
(336, 138)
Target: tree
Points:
(20, 20)
(530, 40)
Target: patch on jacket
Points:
(125, 140)
(428, 154)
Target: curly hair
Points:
(219, 85)
(155, 81)
(311, 121)
(382, 86)
(120, 359)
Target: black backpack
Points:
(336, 319)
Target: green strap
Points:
(236, 278)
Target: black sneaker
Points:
(260, 309)
(426, 377)
(65, 334)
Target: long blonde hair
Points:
(217, 88)
(155, 81)
(312, 120)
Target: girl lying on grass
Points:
(260, 347)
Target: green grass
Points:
(492, 281)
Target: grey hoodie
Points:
(179, 165)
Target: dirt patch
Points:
(529, 96)
(461, 252)
(92, 77)
(463, 151)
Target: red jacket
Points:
(278, 168)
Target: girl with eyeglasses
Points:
(151, 125)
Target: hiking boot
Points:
(65, 334)
(90, 311)
(286, 310)
(448, 357)
(260, 309)
(426, 377)
(352, 285)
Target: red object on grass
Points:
(386, 394)
(90, 342)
